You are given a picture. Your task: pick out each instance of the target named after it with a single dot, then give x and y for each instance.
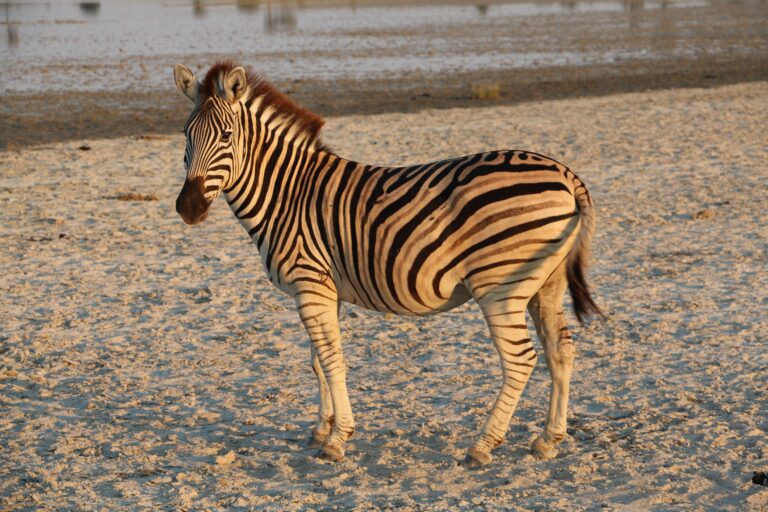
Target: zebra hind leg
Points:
(546, 309)
(325, 414)
(506, 322)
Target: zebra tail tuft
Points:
(578, 259)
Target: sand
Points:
(105, 78)
(149, 365)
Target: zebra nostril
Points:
(179, 203)
(191, 203)
(181, 206)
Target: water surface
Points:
(97, 46)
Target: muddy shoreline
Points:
(27, 120)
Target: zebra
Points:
(510, 229)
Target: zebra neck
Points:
(277, 168)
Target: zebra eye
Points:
(225, 136)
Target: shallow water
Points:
(94, 46)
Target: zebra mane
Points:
(304, 122)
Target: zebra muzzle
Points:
(191, 203)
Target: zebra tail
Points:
(578, 258)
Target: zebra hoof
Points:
(317, 439)
(330, 452)
(542, 449)
(476, 459)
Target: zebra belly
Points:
(459, 296)
(437, 269)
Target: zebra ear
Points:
(235, 84)
(185, 81)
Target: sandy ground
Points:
(149, 365)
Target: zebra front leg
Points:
(506, 322)
(320, 317)
(546, 309)
(325, 417)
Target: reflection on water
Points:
(281, 19)
(198, 8)
(90, 8)
(247, 5)
(99, 45)
(12, 30)
(284, 16)
(284, 10)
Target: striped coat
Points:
(509, 229)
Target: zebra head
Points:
(210, 159)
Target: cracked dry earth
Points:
(148, 365)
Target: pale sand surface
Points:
(135, 350)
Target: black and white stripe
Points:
(510, 229)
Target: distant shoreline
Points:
(28, 120)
